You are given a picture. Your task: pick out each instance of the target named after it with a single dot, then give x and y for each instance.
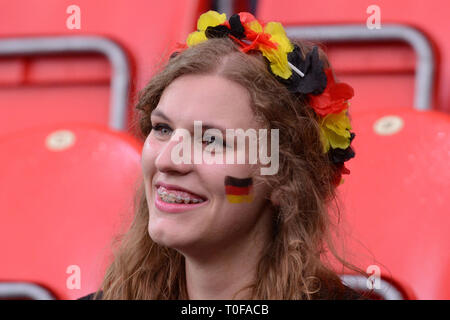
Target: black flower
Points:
(338, 155)
(314, 81)
(237, 29)
(217, 32)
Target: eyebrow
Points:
(205, 126)
(159, 113)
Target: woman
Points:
(206, 230)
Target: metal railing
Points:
(120, 79)
(24, 290)
(425, 63)
(386, 290)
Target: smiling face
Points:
(217, 222)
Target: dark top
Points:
(344, 294)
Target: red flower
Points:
(254, 33)
(344, 170)
(338, 177)
(333, 99)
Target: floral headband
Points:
(328, 98)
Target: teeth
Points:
(171, 198)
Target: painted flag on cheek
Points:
(238, 190)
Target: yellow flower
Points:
(278, 57)
(335, 131)
(207, 19)
(272, 31)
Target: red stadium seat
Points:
(60, 208)
(42, 89)
(37, 89)
(382, 67)
(396, 197)
(65, 191)
(66, 188)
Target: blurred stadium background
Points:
(69, 162)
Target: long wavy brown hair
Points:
(293, 266)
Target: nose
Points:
(170, 156)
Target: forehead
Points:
(208, 98)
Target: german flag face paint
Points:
(238, 190)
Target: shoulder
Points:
(91, 296)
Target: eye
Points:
(214, 139)
(161, 129)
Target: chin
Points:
(169, 239)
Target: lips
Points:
(178, 188)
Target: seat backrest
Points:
(397, 196)
(384, 66)
(65, 191)
(72, 86)
(84, 85)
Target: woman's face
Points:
(216, 222)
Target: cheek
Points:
(239, 190)
(149, 154)
(233, 186)
(241, 208)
